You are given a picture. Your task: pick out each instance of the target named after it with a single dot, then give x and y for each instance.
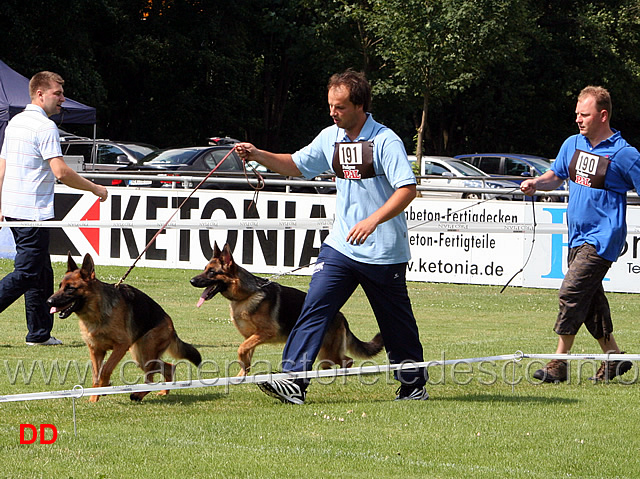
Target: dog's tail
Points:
(181, 350)
(362, 349)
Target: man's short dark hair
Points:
(356, 83)
(43, 80)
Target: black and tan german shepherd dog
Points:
(265, 312)
(119, 318)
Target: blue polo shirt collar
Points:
(604, 143)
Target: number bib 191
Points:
(588, 169)
(353, 161)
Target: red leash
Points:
(174, 213)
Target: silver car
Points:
(439, 171)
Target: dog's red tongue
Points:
(53, 310)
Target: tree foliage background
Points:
(458, 75)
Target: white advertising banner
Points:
(452, 241)
(507, 236)
(259, 250)
(452, 255)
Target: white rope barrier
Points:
(78, 391)
(283, 224)
(596, 357)
(290, 224)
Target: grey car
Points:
(88, 155)
(513, 164)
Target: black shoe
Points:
(408, 392)
(554, 372)
(291, 391)
(610, 369)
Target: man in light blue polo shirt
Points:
(601, 167)
(368, 244)
(30, 162)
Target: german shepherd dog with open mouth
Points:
(119, 318)
(266, 312)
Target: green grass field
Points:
(476, 425)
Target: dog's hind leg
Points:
(167, 370)
(150, 369)
(148, 359)
(334, 347)
(330, 357)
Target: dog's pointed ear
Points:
(216, 250)
(88, 269)
(226, 257)
(71, 264)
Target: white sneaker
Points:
(49, 342)
(286, 390)
(405, 392)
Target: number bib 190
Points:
(353, 161)
(588, 169)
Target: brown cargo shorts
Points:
(581, 295)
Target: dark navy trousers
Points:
(334, 280)
(32, 277)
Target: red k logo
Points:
(92, 234)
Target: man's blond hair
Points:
(600, 95)
(42, 81)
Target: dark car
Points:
(89, 155)
(198, 161)
(511, 164)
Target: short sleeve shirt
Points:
(358, 199)
(31, 139)
(598, 216)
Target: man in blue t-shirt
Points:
(601, 167)
(368, 244)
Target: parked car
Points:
(455, 172)
(511, 164)
(200, 160)
(103, 155)
(69, 135)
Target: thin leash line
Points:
(271, 278)
(533, 242)
(260, 185)
(171, 218)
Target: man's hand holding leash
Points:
(546, 182)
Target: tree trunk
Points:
(422, 127)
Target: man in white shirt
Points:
(30, 162)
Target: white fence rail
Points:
(452, 241)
